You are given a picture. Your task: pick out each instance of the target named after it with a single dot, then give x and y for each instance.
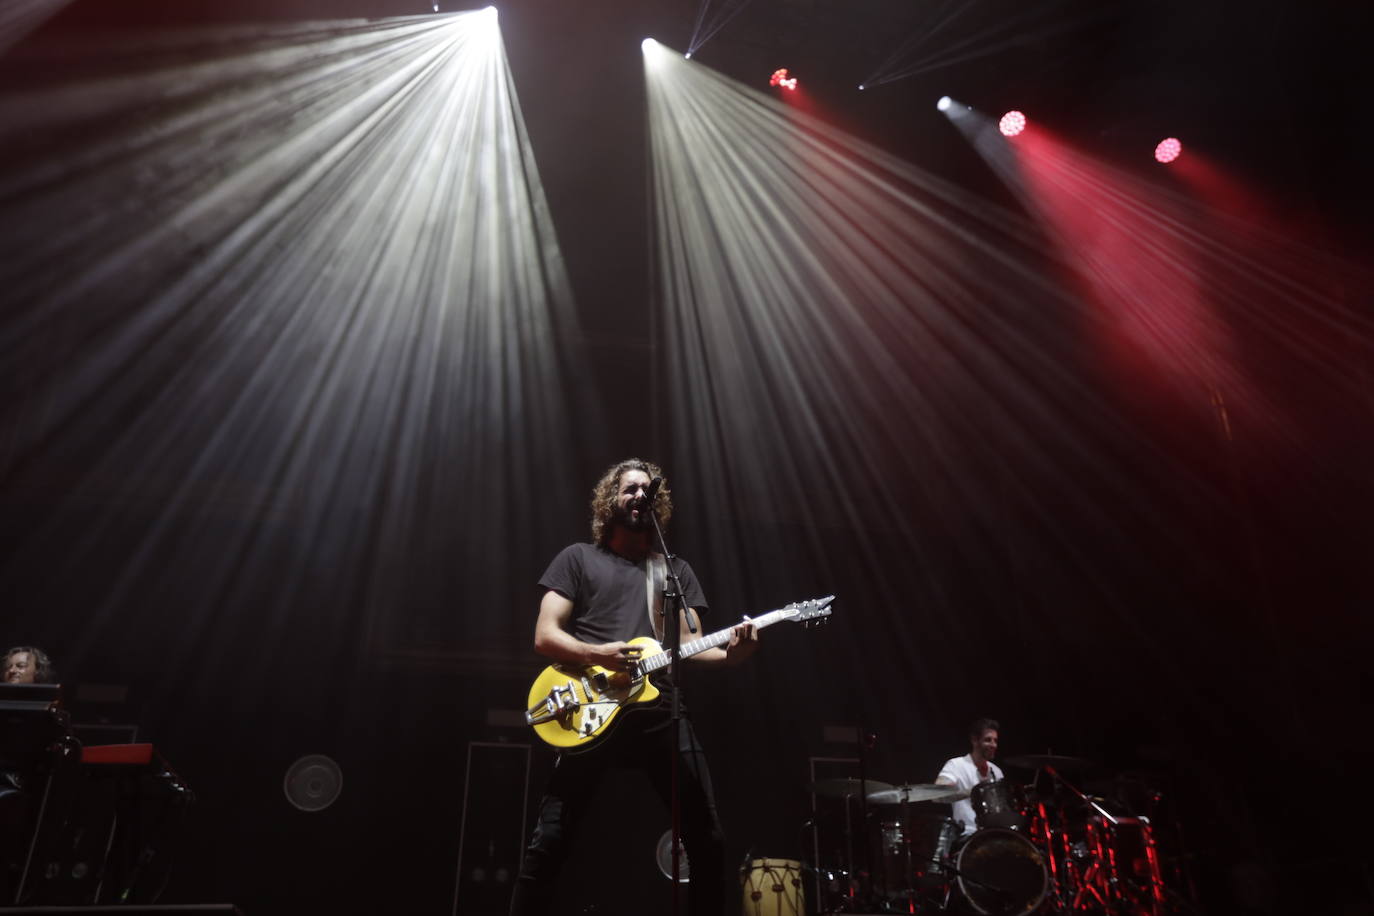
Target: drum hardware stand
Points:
(1046, 839)
(999, 891)
(854, 871)
(1157, 889)
(818, 874)
(674, 611)
(810, 826)
(1085, 881)
(907, 873)
(851, 878)
(827, 881)
(1102, 879)
(1094, 875)
(864, 741)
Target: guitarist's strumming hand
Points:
(616, 656)
(552, 639)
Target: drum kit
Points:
(1045, 846)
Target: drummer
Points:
(974, 767)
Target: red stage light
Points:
(1012, 123)
(1168, 150)
(780, 78)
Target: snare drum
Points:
(914, 855)
(932, 847)
(1001, 873)
(999, 804)
(932, 867)
(772, 887)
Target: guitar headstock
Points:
(811, 613)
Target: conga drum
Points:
(772, 887)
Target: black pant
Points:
(643, 741)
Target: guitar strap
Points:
(655, 583)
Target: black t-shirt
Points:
(610, 593)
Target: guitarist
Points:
(597, 597)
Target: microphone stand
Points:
(674, 609)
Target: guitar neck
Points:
(718, 638)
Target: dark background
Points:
(1214, 646)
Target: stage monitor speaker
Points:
(491, 835)
(313, 783)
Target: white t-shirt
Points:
(963, 773)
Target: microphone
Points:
(651, 491)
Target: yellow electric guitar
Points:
(573, 706)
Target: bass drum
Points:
(1001, 873)
(773, 887)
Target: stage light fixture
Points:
(648, 45)
(1012, 123)
(1168, 150)
(780, 78)
(944, 103)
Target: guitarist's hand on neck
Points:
(744, 642)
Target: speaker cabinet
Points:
(492, 832)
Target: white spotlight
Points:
(944, 103)
(490, 11)
(648, 45)
(861, 87)
(688, 55)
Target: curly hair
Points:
(608, 487)
(43, 672)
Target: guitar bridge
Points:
(560, 704)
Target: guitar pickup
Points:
(561, 703)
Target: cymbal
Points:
(1037, 761)
(844, 788)
(915, 794)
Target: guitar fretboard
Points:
(719, 638)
